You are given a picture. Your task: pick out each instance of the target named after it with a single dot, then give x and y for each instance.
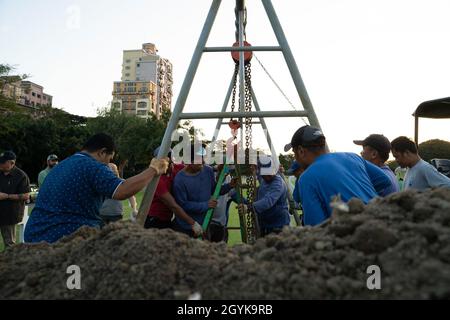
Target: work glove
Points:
(133, 215)
(197, 229)
(159, 165)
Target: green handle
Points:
(216, 194)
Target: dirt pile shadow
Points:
(406, 234)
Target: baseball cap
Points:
(7, 155)
(267, 166)
(306, 136)
(52, 157)
(376, 141)
(294, 167)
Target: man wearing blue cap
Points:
(331, 174)
(14, 191)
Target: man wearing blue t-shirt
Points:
(193, 188)
(331, 174)
(74, 191)
(376, 149)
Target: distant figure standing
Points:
(14, 191)
(52, 160)
(420, 174)
(112, 210)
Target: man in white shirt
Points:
(420, 175)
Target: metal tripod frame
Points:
(200, 48)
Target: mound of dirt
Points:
(406, 234)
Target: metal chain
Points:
(236, 23)
(251, 223)
(233, 96)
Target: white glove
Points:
(197, 229)
(133, 215)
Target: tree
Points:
(135, 137)
(7, 80)
(435, 148)
(34, 137)
(286, 160)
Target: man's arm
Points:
(274, 193)
(435, 179)
(133, 204)
(169, 202)
(133, 185)
(189, 206)
(379, 179)
(314, 208)
(14, 197)
(22, 192)
(40, 179)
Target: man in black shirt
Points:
(14, 191)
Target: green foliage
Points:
(435, 148)
(49, 130)
(5, 79)
(392, 164)
(286, 160)
(34, 138)
(135, 138)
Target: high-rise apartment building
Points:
(146, 85)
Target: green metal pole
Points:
(215, 196)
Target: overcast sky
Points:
(366, 64)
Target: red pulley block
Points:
(247, 54)
(234, 124)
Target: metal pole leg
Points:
(290, 61)
(179, 105)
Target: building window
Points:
(138, 65)
(141, 112)
(142, 105)
(33, 94)
(127, 67)
(116, 105)
(45, 98)
(39, 96)
(128, 61)
(127, 74)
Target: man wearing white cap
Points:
(52, 160)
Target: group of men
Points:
(185, 191)
(73, 192)
(348, 175)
